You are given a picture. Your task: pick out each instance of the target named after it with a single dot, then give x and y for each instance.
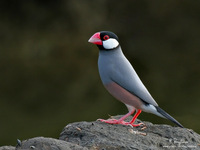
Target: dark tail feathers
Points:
(166, 115)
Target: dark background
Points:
(48, 70)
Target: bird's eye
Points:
(106, 37)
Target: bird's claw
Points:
(115, 121)
(110, 121)
(134, 125)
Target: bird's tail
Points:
(166, 115)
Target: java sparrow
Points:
(122, 82)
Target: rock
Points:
(7, 148)
(98, 135)
(101, 136)
(42, 143)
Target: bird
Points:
(122, 82)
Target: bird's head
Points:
(105, 40)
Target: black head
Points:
(105, 40)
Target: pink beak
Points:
(95, 39)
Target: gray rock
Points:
(98, 135)
(7, 148)
(101, 136)
(42, 143)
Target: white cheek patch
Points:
(110, 43)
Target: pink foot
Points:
(121, 120)
(115, 121)
(112, 121)
(134, 125)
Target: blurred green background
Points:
(48, 70)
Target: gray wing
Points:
(123, 74)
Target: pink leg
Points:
(121, 120)
(134, 118)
